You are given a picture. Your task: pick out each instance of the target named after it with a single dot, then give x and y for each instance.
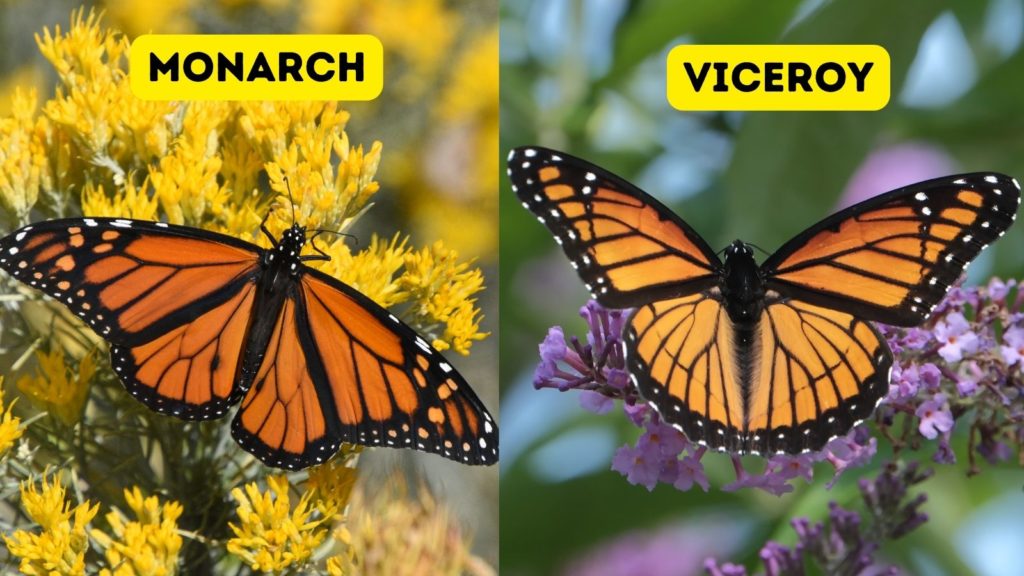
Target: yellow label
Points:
(778, 77)
(256, 67)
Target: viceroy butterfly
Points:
(774, 358)
(198, 321)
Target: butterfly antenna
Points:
(291, 199)
(323, 255)
(762, 250)
(266, 232)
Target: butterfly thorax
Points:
(284, 259)
(742, 286)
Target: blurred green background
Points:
(587, 77)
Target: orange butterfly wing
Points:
(812, 373)
(626, 246)
(892, 258)
(175, 303)
(389, 386)
(376, 381)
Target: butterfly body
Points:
(198, 322)
(742, 286)
(769, 358)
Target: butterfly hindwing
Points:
(811, 373)
(818, 372)
(191, 371)
(680, 355)
(626, 246)
(282, 420)
(892, 258)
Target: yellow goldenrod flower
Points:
(10, 425)
(444, 289)
(24, 163)
(440, 288)
(346, 562)
(129, 202)
(56, 387)
(59, 549)
(395, 534)
(372, 271)
(148, 546)
(271, 535)
(89, 61)
(331, 482)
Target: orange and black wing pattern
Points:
(387, 385)
(282, 419)
(627, 247)
(817, 373)
(892, 258)
(808, 375)
(197, 320)
(681, 357)
(175, 303)
(375, 381)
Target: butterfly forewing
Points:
(892, 258)
(625, 245)
(174, 302)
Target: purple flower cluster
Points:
(846, 543)
(966, 359)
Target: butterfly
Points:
(779, 357)
(199, 321)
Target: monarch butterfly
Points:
(780, 357)
(198, 321)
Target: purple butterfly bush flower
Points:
(955, 337)
(845, 543)
(935, 417)
(965, 360)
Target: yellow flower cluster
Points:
(440, 288)
(397, 534)
(331, 483)
(147, 546)
(271, 535)
(57, 388)
(59, 548)
(10, 425)
(23, 157)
